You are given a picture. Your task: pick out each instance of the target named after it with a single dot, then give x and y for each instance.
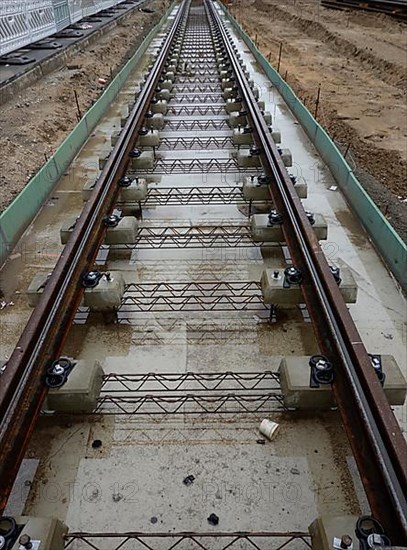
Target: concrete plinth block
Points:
(246, 160)
(286, 157)
(137, 191)
(160, 107)
(297, 394)
(239, 137)
(152, 139)
(124, 233)
(166, 84)
(236, 119)
(324, 529)
(224, 74)
(276, 135)
(107, 295)
(274, 292)
(165, 95)
(226, 83)
(229, 93)
(115, 137)
(268, 118)
(144, 162)
(103, 160)
(49, 531)
(255, 192)
(261, 105)
(66, 230)
(156, 121)
(170, 75)
(232, 106)
(256, 93)
(36, 288)
(262, 231)
(172, 67)
(80, 392)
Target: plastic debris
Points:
(268, 428)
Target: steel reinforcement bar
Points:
(21, 391)
(374, 434)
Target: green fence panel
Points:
(16, 218)
(386, 240)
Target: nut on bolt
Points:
(25, 542)
(346, 541)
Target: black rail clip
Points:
(322, 371)
(371, 534)
(274, 218)
(376, 361)
(292, 276)
(9, 531)
(57, 372)
(90, 279)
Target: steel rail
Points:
(374, 434)
(21, 390)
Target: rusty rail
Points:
(21, 391)
(372, 429)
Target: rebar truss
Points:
(197, 166)
(195, 143)
(190, 404)
(198, 236)
(199, 98)
(163, 196)
(189, 541)
(201, 110)
(193, 296)
(211, 124)
(190, 381)
(193, 88)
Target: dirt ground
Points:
(360, 61)
(35, 123)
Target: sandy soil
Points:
(360, 61)
(35, 123)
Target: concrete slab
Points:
(295, 384)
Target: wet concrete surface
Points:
(281, 485)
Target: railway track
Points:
(196, 68)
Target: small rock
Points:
(117, 497)
(153, 520)
(189, 480)
(213, 519)
(295, 471)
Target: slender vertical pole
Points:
(317, 101)
(77, 105)
(279, 57)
